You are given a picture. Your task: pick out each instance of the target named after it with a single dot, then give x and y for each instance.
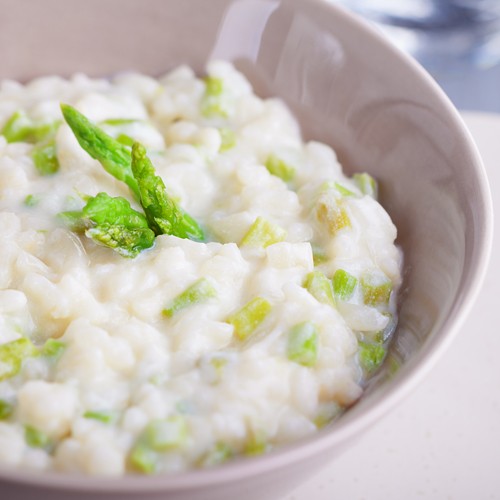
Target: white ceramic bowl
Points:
(349, 88)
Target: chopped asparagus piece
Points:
(249, 317)
(303, 344)
(36, 438)
(257, 444)
(12, 355)
(106, 417)
(164, 215)
(53, 348)
(31, 200)
(332, 213)
(163, 435)
(371, 356)
(113, 223)
(113, 156)
(44, 157)
(263, 233)
(126, 140)
(6, 409)
(377, 288)
(367, 184)
(215, 103)
(343, 190)
(319, 255)
(228, 139)
(18, 127)
(143, 459)
(276, 166)
(199, 291)
(219, 454)
(320, 287)
(119, 121)
(344, 284)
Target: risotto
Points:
(183, 280)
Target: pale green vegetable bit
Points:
(198, 292)
(344, 284)
(263, 233)
(249, 317)
(278, 167)
(320, 287)
(12, 355)
(376, 287)
(302, 344)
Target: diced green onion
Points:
(249, 317)
(12, 355)
(319, 255)
(263, 233)
(371, 356)
(219, 454)
(228, 139)
(6, 409)
(377, 288)
(344, 284)
(53, 348)
(367, 184)
(198, 292)
(303, 344)
(320, 287)
(276, 166)
(143, 459)
(35, 438)
(106, 417)
(167, 434)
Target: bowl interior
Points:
(348, 88)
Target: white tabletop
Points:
(443, 441)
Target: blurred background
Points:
(457, 41)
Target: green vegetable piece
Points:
(6, 409)
(263, 233)
(164, 215)
(143, 459)
(319, 255)
(228, 139)
(279, 168)
(12, 355)
(167, 434)
(113, 156)
(257, 444)
(249, 317)
(31, 200)
(370, 356)
(367, 184)
(199, 291)
(320, 287)
(327, 412)
(112, 222)
(18, 127)
(219, 454)
(36, 438)
(45, 158)
(214, 102)
(343, 190)
(125, 241)
(126, 140)
(344, 284)
(303, 344)
(117, 122)
(332, 214)
(53, 348)
(106, 417)
(377, 288)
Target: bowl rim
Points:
(345, 428)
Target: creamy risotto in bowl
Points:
(183, 280)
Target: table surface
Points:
(443, 441)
